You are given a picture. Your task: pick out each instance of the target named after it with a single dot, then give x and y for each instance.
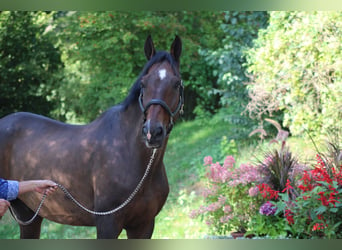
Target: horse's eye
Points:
(177, 84)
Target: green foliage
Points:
(29, 63)
(271, 225)
(228, 147)
(296, 67)
(104, 54)
(239, 28)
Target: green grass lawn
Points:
(189, 143)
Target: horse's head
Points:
(161, 96)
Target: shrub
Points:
(311, 206)
(295, 68)
(239, 29)
(230, 198)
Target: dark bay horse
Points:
(102, 162)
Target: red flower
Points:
(267, 192)
(323, 199)
(318, 226)
(331, 200)
(289, 216)
(288, 186)
(306, 197)
(306, 186)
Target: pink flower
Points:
(253, 191)
(225, 219)
(218, 174)
(227, 209)
(268, 160)
(213, 207)
(222, 199)
(209, 222)
(229, 162)
(208, 160)
(194, 213)
(209, 191)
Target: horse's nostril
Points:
(158, 131)
(152, 132)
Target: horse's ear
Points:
(176, 48)
(149, 48)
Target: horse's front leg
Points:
(143, 231)
(24, 213)
(107, 227)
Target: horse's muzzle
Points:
(153, 134)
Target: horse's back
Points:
(16, 124)
(25, 120)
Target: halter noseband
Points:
(164, 105)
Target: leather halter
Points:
(164, 105)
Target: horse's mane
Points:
(134, 92)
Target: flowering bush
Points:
(315, 210)
(278, 197)
(231, 196)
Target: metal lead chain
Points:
(67, 193)
(25, 223)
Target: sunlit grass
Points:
(174, 222)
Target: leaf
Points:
(280, 207)
(338, 205)
(336, 225)
(320, 209)
(333, 209)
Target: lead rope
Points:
(67, 193)
(25, 223)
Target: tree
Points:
(228, 61)
(29, 63)
(103, 53)
(296, 70)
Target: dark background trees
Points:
(73, 65)
(30, 64)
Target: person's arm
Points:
(8, 189)
(40, 186)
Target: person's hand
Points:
(3, 207)
(45, 187)
(40, 186)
